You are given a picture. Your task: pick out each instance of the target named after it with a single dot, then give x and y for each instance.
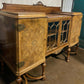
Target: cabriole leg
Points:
(68, 54)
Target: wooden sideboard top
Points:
(70, 13)
(33, 11)
(23, 14)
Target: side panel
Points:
(79, 7)
(32, 43)
(8, 41)
(75, 30)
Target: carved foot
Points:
(68, 54)
(68, 60)
(19, 80)
(44, 78)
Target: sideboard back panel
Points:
(30, 8)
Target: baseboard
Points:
(81, 42)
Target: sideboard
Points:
(30, 33)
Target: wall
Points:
(1, 1)
(56, 3)
(67, 5)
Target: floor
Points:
(58, 71)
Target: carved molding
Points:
(39, 3)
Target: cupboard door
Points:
(65, 32)
(52, 39)
(32, 43)
(58, 33)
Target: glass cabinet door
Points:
(64, 32)
(58, 33)
(53, 28)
